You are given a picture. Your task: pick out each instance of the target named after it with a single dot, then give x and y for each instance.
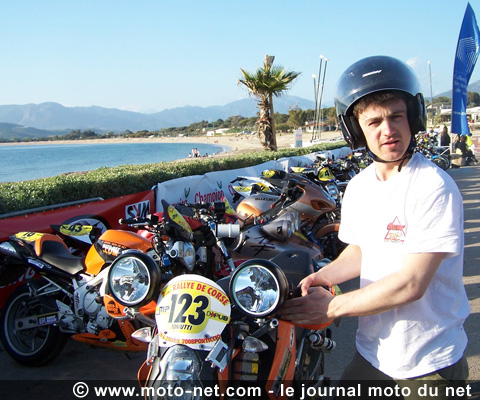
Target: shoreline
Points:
(225, 146)
(230, 145)
(233, 144)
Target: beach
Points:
(24, 161)
(238, 144)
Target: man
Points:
(465, 145)
(402, 218)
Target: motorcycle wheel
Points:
(447, 161)
(440, 162)
(311, 365)
(331, 245)
(35, 346)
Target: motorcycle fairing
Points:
(117, 311)
(325, 174)
(297, 170)
(192, 310)
(177, 220)
(108, 338)
(231, 215)
(254, 244)
(110, 245)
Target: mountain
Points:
(54, 116)
(10, 131)
(472, 87)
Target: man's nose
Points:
(388, 127)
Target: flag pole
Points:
(315, 111)
(317, 107)
(321, 93)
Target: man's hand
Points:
(311, 308)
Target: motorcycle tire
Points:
(447, 161)
(331, 245)
(35, 346)
(311, 368)
(440, 162)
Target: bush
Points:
(128, 179)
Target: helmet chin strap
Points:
(406, 156)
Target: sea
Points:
(33, 161)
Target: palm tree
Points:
(266, 82)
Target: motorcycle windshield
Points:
(173, 216)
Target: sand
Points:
(239, 144)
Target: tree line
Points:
(295, 119)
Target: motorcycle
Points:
(333, 174)
(427, 146)
(280, 192)
(224, 335)
(214, 230)
(68, 296)
(322, 173)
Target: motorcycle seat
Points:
(57, 254)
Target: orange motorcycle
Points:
(222, 339)
(68, 294)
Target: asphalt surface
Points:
(468, 181)
(81, 362)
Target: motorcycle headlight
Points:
(185, 252)
(258, 288)
(133, 278)
(180, 366)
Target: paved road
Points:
(468, 181)
(81, 362)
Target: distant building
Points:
(473, 113)
(320, 126)
(219, 131)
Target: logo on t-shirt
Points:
(395, 232)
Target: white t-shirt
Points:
(418, 210)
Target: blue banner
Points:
(465, 59)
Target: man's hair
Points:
(382, 97)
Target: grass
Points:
(128, 179)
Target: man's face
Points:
(386, 129)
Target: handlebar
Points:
(135, 221)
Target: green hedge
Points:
(128, 179)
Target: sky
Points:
(151, 55)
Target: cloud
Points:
(413, 62)
(420, 67)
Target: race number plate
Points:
(75, 230)
(192, 310)
(29, 236)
